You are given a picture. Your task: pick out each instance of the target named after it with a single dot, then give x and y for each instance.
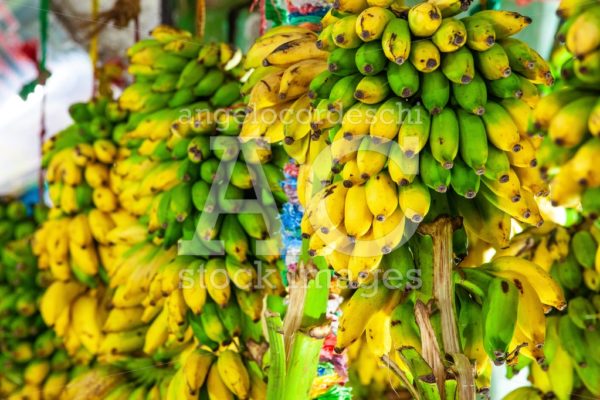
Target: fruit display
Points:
(376, 116)
(569, 116)
(136, 279)
(570, 366)
(418, 114)
(34, 361)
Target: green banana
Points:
(435, 91)
(444, 137)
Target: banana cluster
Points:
(121, 296)
(570, 115)
(413, 102)
(500, 306)
(77, 159)
(572, 257)
(34, 362)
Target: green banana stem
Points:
(441, 232)
(276, 387)
(303, 362)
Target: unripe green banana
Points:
(480, 33)
(414, 132)
(497, 166)
(433, 174)
(435, 91)
(403, 79)
(464, 181)
(459, 66)
(471, 97)
(444, 137)
(370, 58)
(473, 141)
(506, 88)
(342, 61)
(582, 313)
(584, 249)
(499, 309)
(569, 273)
(322, 85)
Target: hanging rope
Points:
(262, 10)
(94, 48)
(200, 18)
(42, 76)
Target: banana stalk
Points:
(441, 233)
(302, 365)
(276, 386)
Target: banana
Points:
(464, 180)
(196, 368)
(572, 339)
(472, 96)
(569, 125)
(583, 36)
(322, 84)
(371, 156)
(444, 137)
(216, 281)
(388, 233)
(500, 305)
(396, 41)
(403, 79)
(58, 297)
(584, 248)
(342, 62)
(435, 92)
(546, 288)
(344, 32)
(387, 120)
(505, 23)
(459, 66)
(233, 373)
(371, 23)
(341, 97)
(450, 36)
(414, 200)
(357, 312)
(424, 55)
(501, 130)
(473, 141)
(381, 195)
(296, 78)
(372, 89)
(414, 132)
(493, 63)
(329, 212)
(511, 189)
(434, 175)
(272, 40)
(424, 19)
(350, 6)
(480, 33)
(370, 58)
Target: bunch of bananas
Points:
(571, 255)
(77, 159)
(34, 362)
(570, 115)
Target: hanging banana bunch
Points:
(570, 366)
(570, 115)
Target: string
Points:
(94, 48)
(262, 9)
(42, 75)
(200, 18)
